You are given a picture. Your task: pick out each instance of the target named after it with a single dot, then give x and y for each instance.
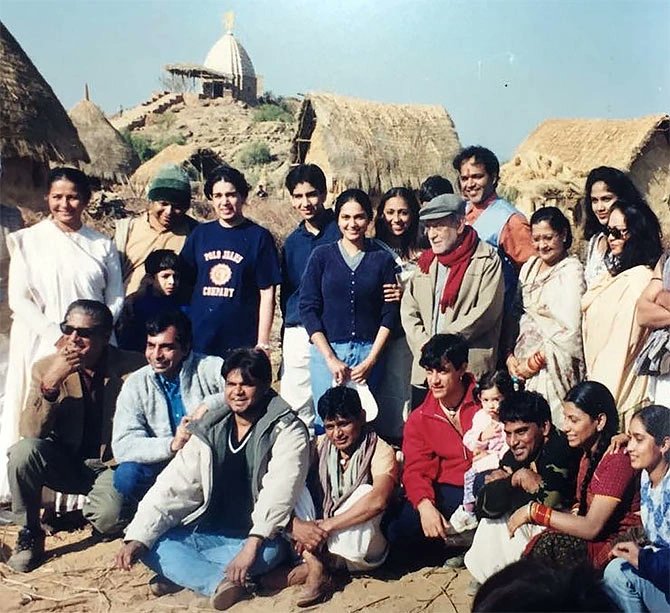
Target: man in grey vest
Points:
(212, 520)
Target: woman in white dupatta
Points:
(53, 263)
(548, 352)
(612, 336)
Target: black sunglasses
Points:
(616, 233)
(67, 329)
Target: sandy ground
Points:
(78, 577)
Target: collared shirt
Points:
(295, 253)
(92, 387)
(172, 390)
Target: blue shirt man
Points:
(307, 185)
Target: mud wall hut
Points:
(112, 157)
(34, 128)
(551, 165)
(372, 145)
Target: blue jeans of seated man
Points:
(198, 560)
(630, 592)
(133, 480)
(405, 526)
(351, 353)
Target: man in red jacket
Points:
(435, 457)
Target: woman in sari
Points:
(53, 263)
(613, 338)
(604, 186)
(548, 352)
(396, 229)
(608, 500)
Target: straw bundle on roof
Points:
(551, 165)
(372, 145)
(33, 123)
(112, 158)
(197, 161)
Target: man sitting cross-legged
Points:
(539, 466)
(67, 428)
(211, 521)
(357, 473)
(158, 401)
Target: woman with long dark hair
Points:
(396, 229)
(604, 186)
(613, 337)
(638, 579)
(607, 496)
(342, 303)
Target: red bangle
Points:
(541, 514)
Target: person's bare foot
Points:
(318, 583)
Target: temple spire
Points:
(229, 22)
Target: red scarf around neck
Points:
(457, 260)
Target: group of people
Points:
(461, 373)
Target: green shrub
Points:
(141, 144)
(272, 112)
(255, 154)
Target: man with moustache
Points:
(212, 522)
(496, 221)
(540, 466)
(66, 425)
(306, 184)
(457, 289)
(157, 403)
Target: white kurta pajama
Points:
(49, 270)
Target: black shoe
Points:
(29, 551)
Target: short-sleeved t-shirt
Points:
(614, 477)
(231, 266)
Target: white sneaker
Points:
(462, 520)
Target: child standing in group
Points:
(159, 291)
(486, 440)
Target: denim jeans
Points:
(133, 480)
(630, 592)
(198, 560)
(352, 353)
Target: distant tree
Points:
(255, 154)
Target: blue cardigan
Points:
(344, 304)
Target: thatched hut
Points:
(112, 157)
(34, 128)
(551, 165)
(197, 161)
(372, 145)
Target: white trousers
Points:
(659, 390)
(492, 549)
(295, 386)
(361, 547)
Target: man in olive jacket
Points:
(457, 289)
(66, 425)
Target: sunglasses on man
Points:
(617, 233)
(67, 330)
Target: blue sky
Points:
(499, 67)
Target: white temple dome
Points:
(230, 57)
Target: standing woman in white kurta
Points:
(53, 263)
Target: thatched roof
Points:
(33, 123)
(583, 144)
(112, 157)
(372, 145)
(551, 165)
(195, 71)
(197, 161)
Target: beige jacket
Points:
(477, 313)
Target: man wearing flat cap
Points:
(165, 225)
(457, 289)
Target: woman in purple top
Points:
(342, 300)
